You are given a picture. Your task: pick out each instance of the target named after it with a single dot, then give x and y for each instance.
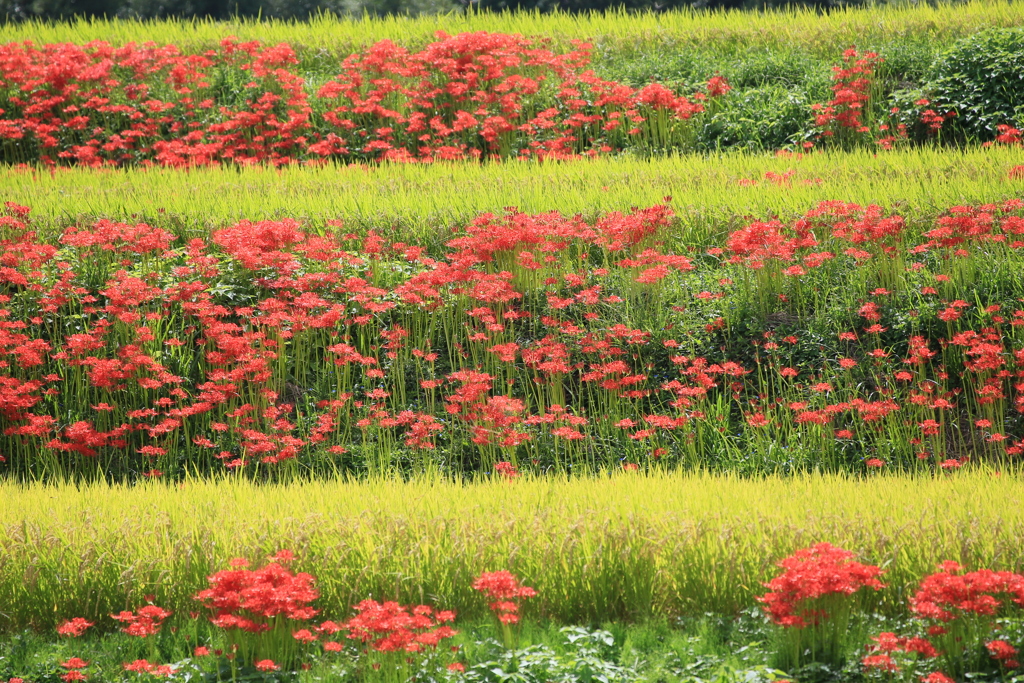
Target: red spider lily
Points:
(524, 307)
(852, 91)
(74, 627)
(504, 589)
(952, 593)
(812, 573)
(390, 627)
(506, 469)
(474, 95)
(246, 599)
(145, 666)
(1004, 652)
(145, 623)
(266, 665)
(961, 608)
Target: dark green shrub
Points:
(757, 119)
(982, 78)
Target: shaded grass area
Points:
(626, 547)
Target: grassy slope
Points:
(609, 548)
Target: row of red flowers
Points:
(470, 96)
(266, 617)
(957, 618)
(474, 95)
(957, 615)
(526, 338)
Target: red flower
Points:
(245, 599)
(937, 677)
(74, 627)
(951, 593)
(146, 623)
(1001, 650)
(506, 469)
(812, 573)
(390, 627)
(505, 591)
(882, 662)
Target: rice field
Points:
(427, 202)
(542, 406)
(827, 34)
(623, 547)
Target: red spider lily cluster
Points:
(505, 592)
(1007, 135)
(810, 574)
(958, 612)
(852, 93)
(72, 628)
(73, 669)
(146, 622)
(844, 116)
(952, 593)
(524, 339)
(473, 95)
(885, 644)
(148, 667)
(390, 627)
(254, 606)
(506, 469)
(251, 599)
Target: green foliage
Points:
(585, 660)
(982, 79)
(757, 119)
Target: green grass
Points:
(415, 201)
(618, 548)
(827, 34)
(660, 650)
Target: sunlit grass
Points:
(620, 547)
(414, 201)
(823, 33)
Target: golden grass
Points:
(418, 200)
(823, 33)
(619, 547)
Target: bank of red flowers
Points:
(843, 339)
(470, 96)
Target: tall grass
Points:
(414, 201)
(622, 547)
(824, 33)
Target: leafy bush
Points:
(982, 79)
(587, 660)
(757, 119)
